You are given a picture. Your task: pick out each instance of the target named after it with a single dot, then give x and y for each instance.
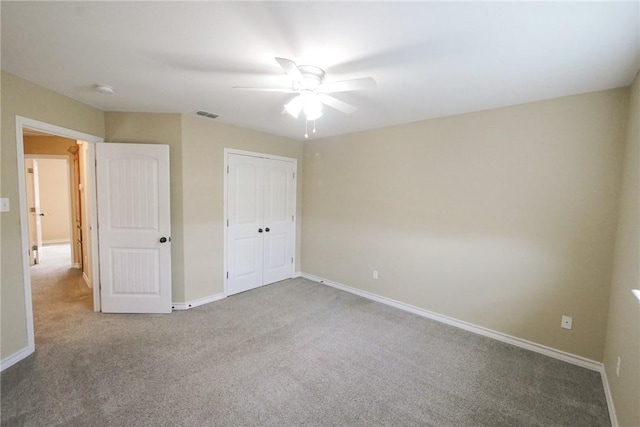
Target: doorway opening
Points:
(59, 265)
(52, 208)
(26, 127)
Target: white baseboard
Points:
(55, 242)
(16, 357)
(211, 298)
(197, 302)
(519, 342)
(86, 280)
(607, 392)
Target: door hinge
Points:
(292, 218)
(227, 274)
(227, 223)
(29, 170)
(291, 260)
(227, 168)
(294, 175)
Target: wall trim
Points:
(53, 242)
(607, 392)
(16, 357)
(197, 302)
(499, 336)
(86, 279)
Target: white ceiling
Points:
(430, 59)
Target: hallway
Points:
(59, 293)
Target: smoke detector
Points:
(104, 89)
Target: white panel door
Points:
(261, 221)
(245, 211)
(279, 236)
(134, 227)
(34, 212)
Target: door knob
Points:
(259, 230)
(164, 239)
(41, 214)
(266, 229)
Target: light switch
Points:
(4, 204)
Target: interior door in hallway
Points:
(33, 209)
(261, 221)
(134, 227)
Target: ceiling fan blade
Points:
(336, 103)
(267, 89)
(291, 68)
(348, 85)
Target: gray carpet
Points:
(291, 353)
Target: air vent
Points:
(207, 114)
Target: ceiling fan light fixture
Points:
(294, 106)
(312, 107)
(307, 81)
(312, 116)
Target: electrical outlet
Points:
(567, 322)
(4, 205)
(618, 367)
(375, 274)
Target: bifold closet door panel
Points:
(245, 212)
(279, 236)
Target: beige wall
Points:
(56, 145)
(623, 325)
(503, 218)
(54, 200)
(150, 128)
(204, 141)
(20, 97)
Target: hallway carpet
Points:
(288, 354)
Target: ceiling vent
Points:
(207, 114)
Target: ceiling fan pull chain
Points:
(314, 126)
(306, 128)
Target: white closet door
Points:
(245, 214)
(134, 227)
(261, 227)
(279, 241)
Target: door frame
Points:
(228, 151)
(22, 122)
(68, 183)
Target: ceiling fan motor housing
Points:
(312, 78)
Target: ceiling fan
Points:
(312, 92)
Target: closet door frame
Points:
(231, 151)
